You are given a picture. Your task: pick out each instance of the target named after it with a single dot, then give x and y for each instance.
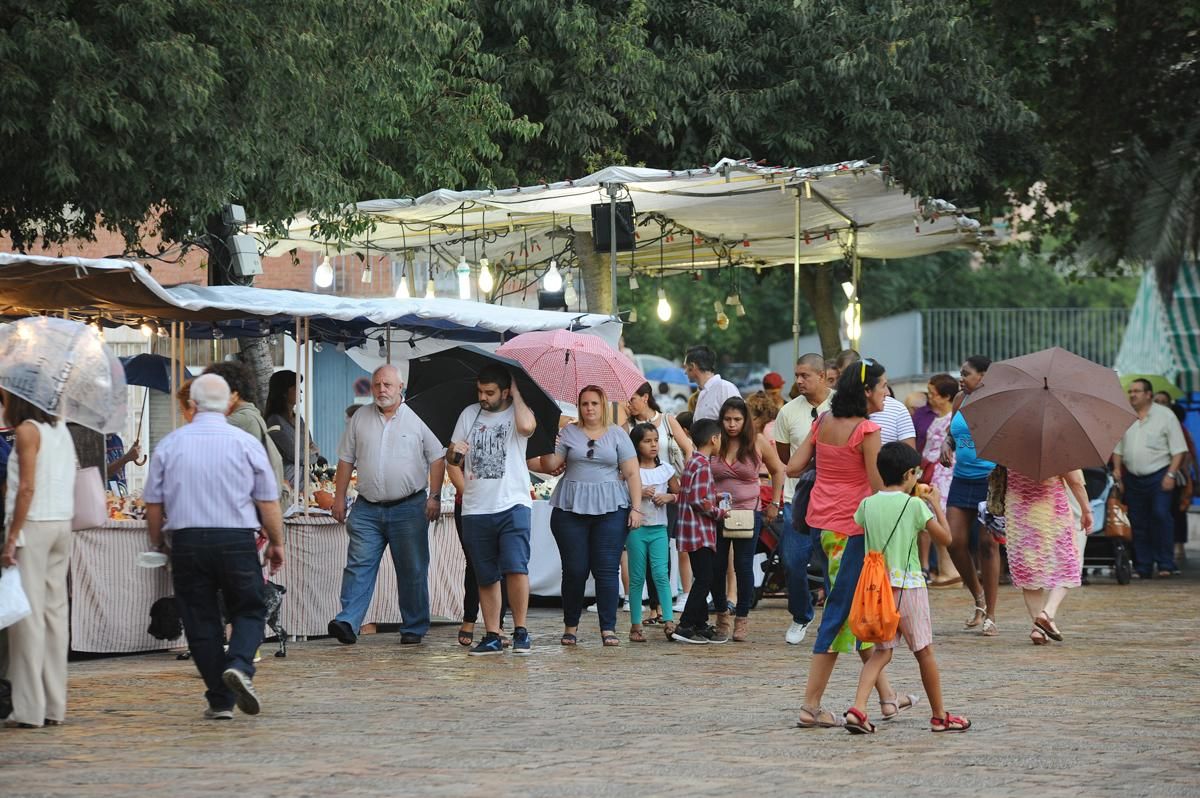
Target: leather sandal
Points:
(913, 700)
(1046, 624)
(636, 635)
(815, 722)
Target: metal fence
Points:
(949, 336)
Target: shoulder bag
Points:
(91, 508)
(1116, 519)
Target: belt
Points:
(394, 502)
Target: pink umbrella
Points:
(563, 363)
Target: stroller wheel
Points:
(281, 653)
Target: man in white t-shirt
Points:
(699, 363)
(489, 444)
(895, 423)
(792, 428)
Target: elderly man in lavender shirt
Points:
(215, 487)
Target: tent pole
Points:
(612, 243)
(796, 286)
(301, 389)
(307, 408)
(174, 380)
(855, 273)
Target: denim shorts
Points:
(498, 543)
(967, 493)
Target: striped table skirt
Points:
(111, 596)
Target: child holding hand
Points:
(893, 518)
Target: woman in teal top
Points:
(967, 490)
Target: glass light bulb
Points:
(633, 317)
(848, 290)
(464, 278)
(486, 283)
(570, 295)
(162, 332)
(717, 306)
(722, 321)
(633, 283)
(366, 273)
(147, 329)
(552, 282)
(430, 289)
(731, 300)
(323, 274)
(664, 307)
(382, 348)
(217, 333)
(402, 289)
(740, 309)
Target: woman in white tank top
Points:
(39, 505)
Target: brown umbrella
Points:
(1048, 413)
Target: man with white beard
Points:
(400, 466)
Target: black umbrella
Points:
(442, 384)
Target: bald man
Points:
(401, 466)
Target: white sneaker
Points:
(681, 602)
(795, 633)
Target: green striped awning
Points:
(1165, 339)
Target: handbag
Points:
(674, 453)
(91, 509)
(1116, 519)
(874, 616)
(738, 525)
(14, 605)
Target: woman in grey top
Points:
(592, 510)
(282, 423)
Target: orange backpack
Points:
(874, 617)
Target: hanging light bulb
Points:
(402, 289)
(162, 332)
(664, 307)
(848, 289)
(366, 272)
(722, 321)
(740, 309)
(464, 278)
(323, 274)
(382, 348)
(430, 286)
(633, 283)
(317, 346)
(552, 281)
(731, 299)
(147, 329)
(633, 317)
(217, 333)
(486, 283)
(570, 295)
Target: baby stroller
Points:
(1099, 550)
(773, 581)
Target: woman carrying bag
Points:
(39, 505)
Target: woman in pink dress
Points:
(941, 390)
(1042, 556)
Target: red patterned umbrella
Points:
(563, 363)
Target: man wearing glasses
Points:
(1146, 462)
(792, 428)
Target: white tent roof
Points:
(734, 211)
(124, 292)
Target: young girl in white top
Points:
(660, 487)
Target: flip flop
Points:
(465, 638)
(610, 639)
(568, 639)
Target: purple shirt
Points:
(208, 474)
(922, 417)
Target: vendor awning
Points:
(1164, 338)
(733, 213)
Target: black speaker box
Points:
(601, 226)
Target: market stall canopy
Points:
(124, 292)
(733, 213)
(1164, 337)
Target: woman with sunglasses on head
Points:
(846, 444)
(968, 488)
(592, 510)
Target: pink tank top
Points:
(740, 480)
(841, 484)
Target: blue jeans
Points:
(1150, 517)
(743, 568)
(204, 561)
(795, 549)
(590, 543)
(404, 529)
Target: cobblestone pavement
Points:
(1111, 711)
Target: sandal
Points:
(635, 635)
(466, 638)
(669, 628)
(655, 621)
(568, 639)
(989, 628)
(950, 723)
(980, 612)
(1046, 624)
(814, 721)
(913, 700)
(610, 639)
(857, 723)
(1038, 637)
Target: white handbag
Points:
(14, 605)
(738, 525)
(91, 508)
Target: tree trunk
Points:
(257, 354)
(816, 283)
(597, 275)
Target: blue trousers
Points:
(1150, 517)
(204, 561)
(590, 543)
(795, 549)
(404, 529)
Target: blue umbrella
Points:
(673, 375)
(150, 371)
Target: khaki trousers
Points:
(37, 665)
